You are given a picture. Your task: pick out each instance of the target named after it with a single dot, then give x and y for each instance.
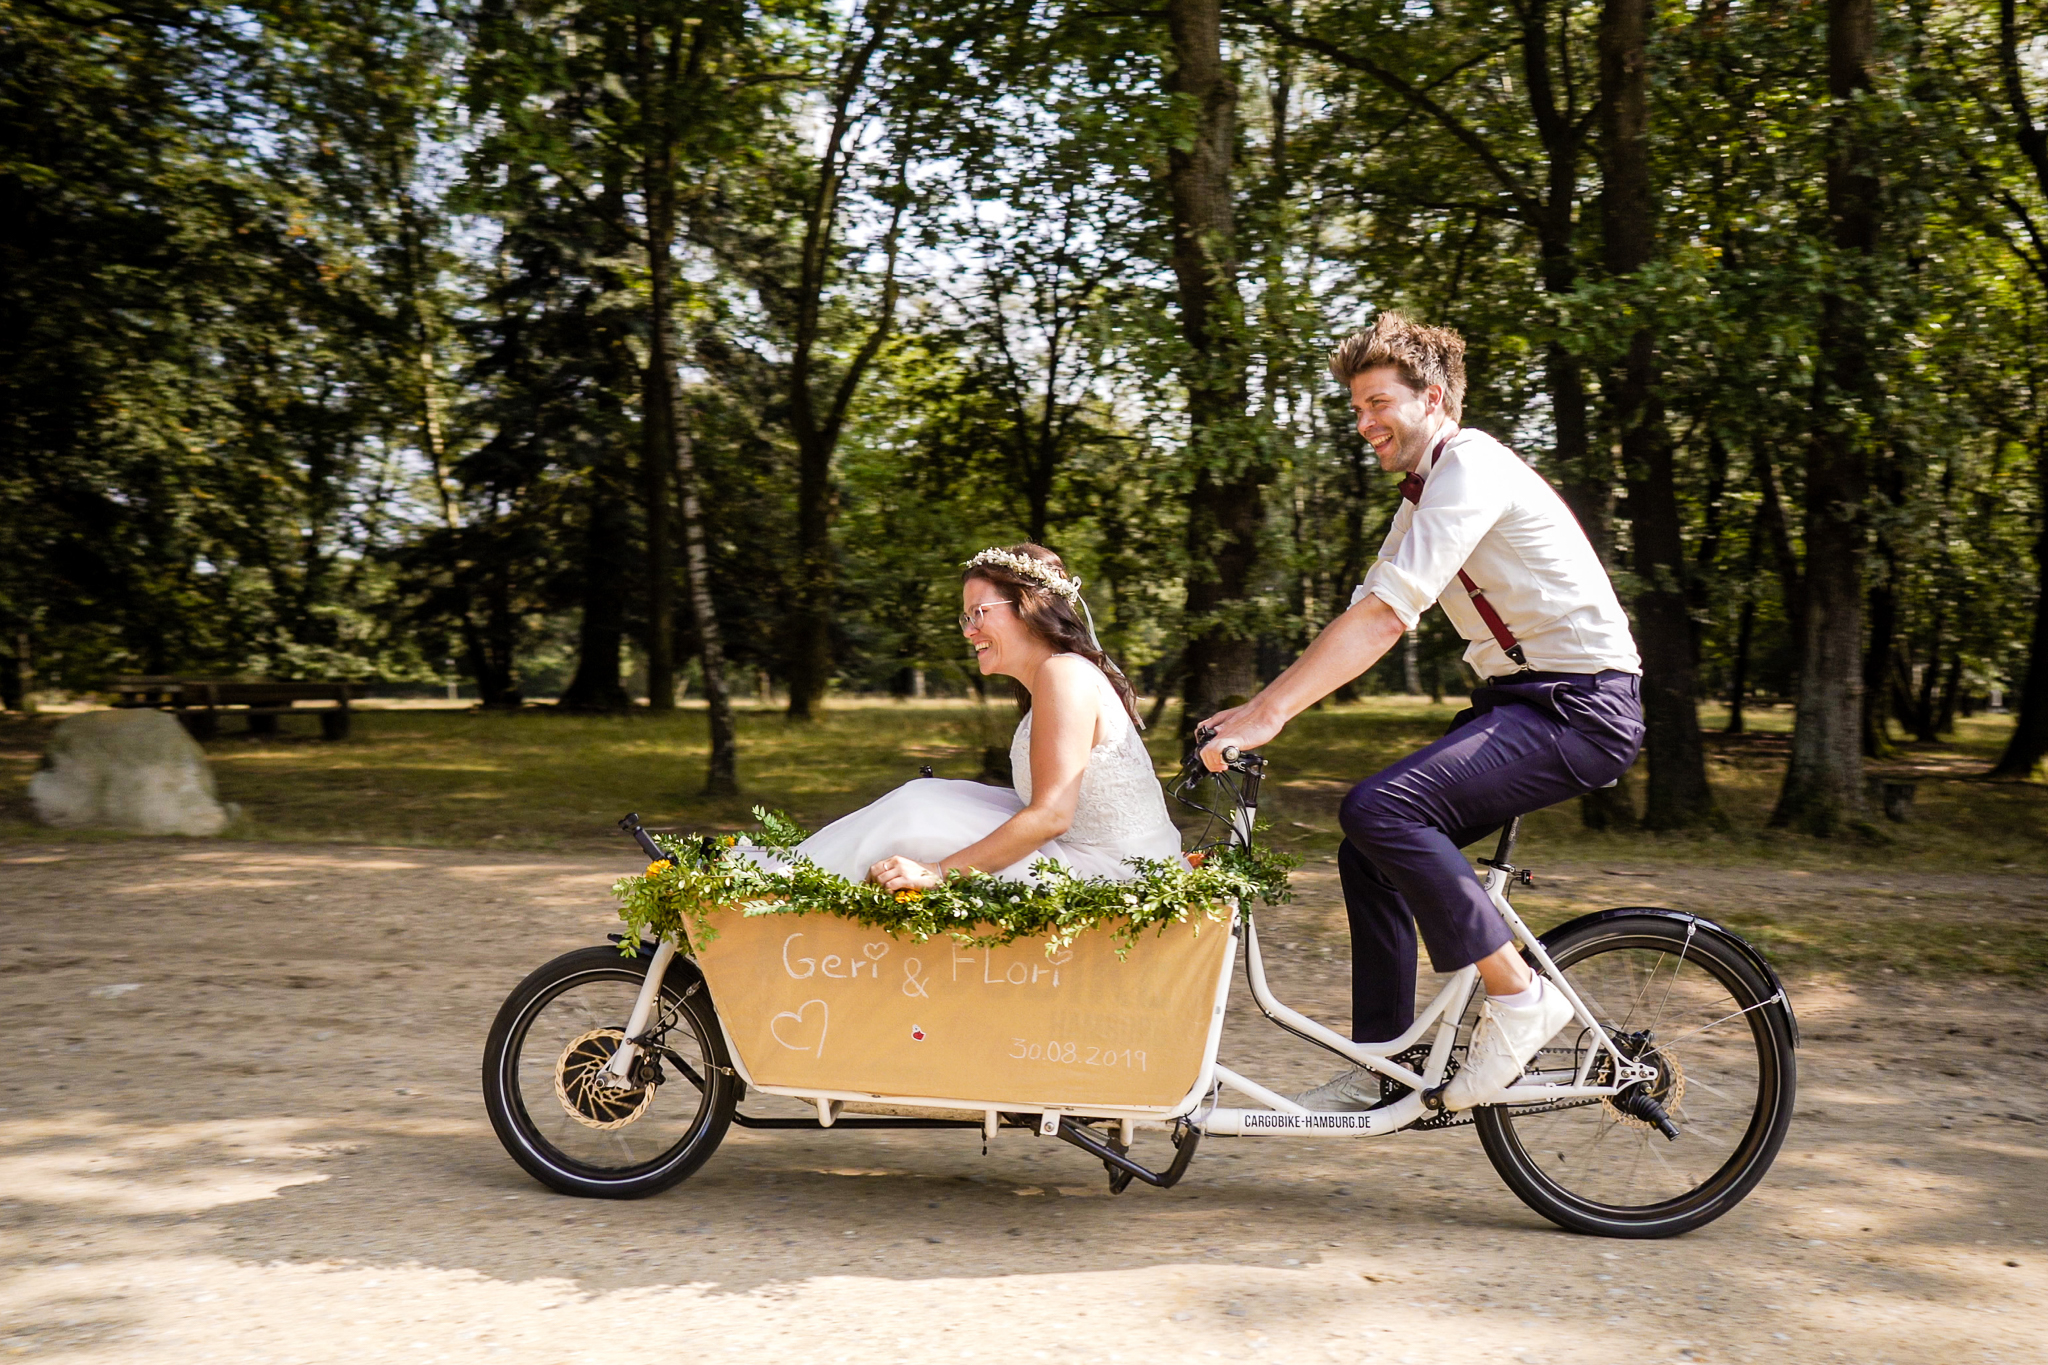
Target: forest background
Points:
(622, 352)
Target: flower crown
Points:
(1037, 570)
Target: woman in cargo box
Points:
(1086, 795)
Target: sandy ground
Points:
(242, 1122)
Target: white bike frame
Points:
(1280, 1116)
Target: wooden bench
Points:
(199, 703)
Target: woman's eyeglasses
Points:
(971, 618)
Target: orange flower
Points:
(902, 896)
(1196, 859)
(655, 869)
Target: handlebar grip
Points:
(1230, 753)
(631, 824)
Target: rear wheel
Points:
(554, 1108)
(1689, 1001)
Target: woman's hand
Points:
(906, 874)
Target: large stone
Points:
(133, 770)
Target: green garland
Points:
(674, 897)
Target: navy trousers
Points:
(1527, 742)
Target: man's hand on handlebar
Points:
(1238, 729)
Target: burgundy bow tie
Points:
(1411, 488)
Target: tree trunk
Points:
(1678, 795)
(1738, 672)
(1771, 519)
(475, 648)
(18, 679)
(1877, 659)
(1823, 788)
(597, 685)
(1930, 682)
(497, 643)
(2029, 742)
(1360, 466)
(1882, 645)
(815, 426)
(1745, 630)
(1584, 479)
(657, 184)
(721, 775)
(1225, 508)
(1952, 687)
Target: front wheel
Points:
(1689, 998)
(552, 1105)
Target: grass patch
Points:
(539, 780)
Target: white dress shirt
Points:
(1487, 512)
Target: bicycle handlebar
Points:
(1231, 753)
(631, 824)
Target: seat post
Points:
(1506, 848)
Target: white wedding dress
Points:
(1121, 812)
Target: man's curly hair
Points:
(1424, 355)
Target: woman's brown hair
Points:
(1052, 619)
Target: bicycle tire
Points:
(515, 1059)
(1514, 1139)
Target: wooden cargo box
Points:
(816, 1002)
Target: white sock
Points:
(1521, 999)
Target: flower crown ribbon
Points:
(1039, 572)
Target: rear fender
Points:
(1701, 925)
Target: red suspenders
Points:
(1411, 489)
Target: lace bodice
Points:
(1121, 802)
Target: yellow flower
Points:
(656, 869)
(908, 895)
(729, 840)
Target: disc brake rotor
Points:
(580, 1083)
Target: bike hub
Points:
(1648, 1104)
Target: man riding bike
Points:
(1559, 714)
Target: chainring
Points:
(579, 1083)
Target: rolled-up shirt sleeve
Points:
(1455, 511)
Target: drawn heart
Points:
(874, 952)
(917, 1033)
(1060, 958)
(796, 1017)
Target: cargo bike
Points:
(614, 1074)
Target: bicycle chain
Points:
(1417, 1057)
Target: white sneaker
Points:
(1347, 1091)
(1502, 1045)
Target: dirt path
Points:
(242, 1123)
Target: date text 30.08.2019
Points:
(1075, 1054)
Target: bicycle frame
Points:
(1200, 1107)
(1441, 1015)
